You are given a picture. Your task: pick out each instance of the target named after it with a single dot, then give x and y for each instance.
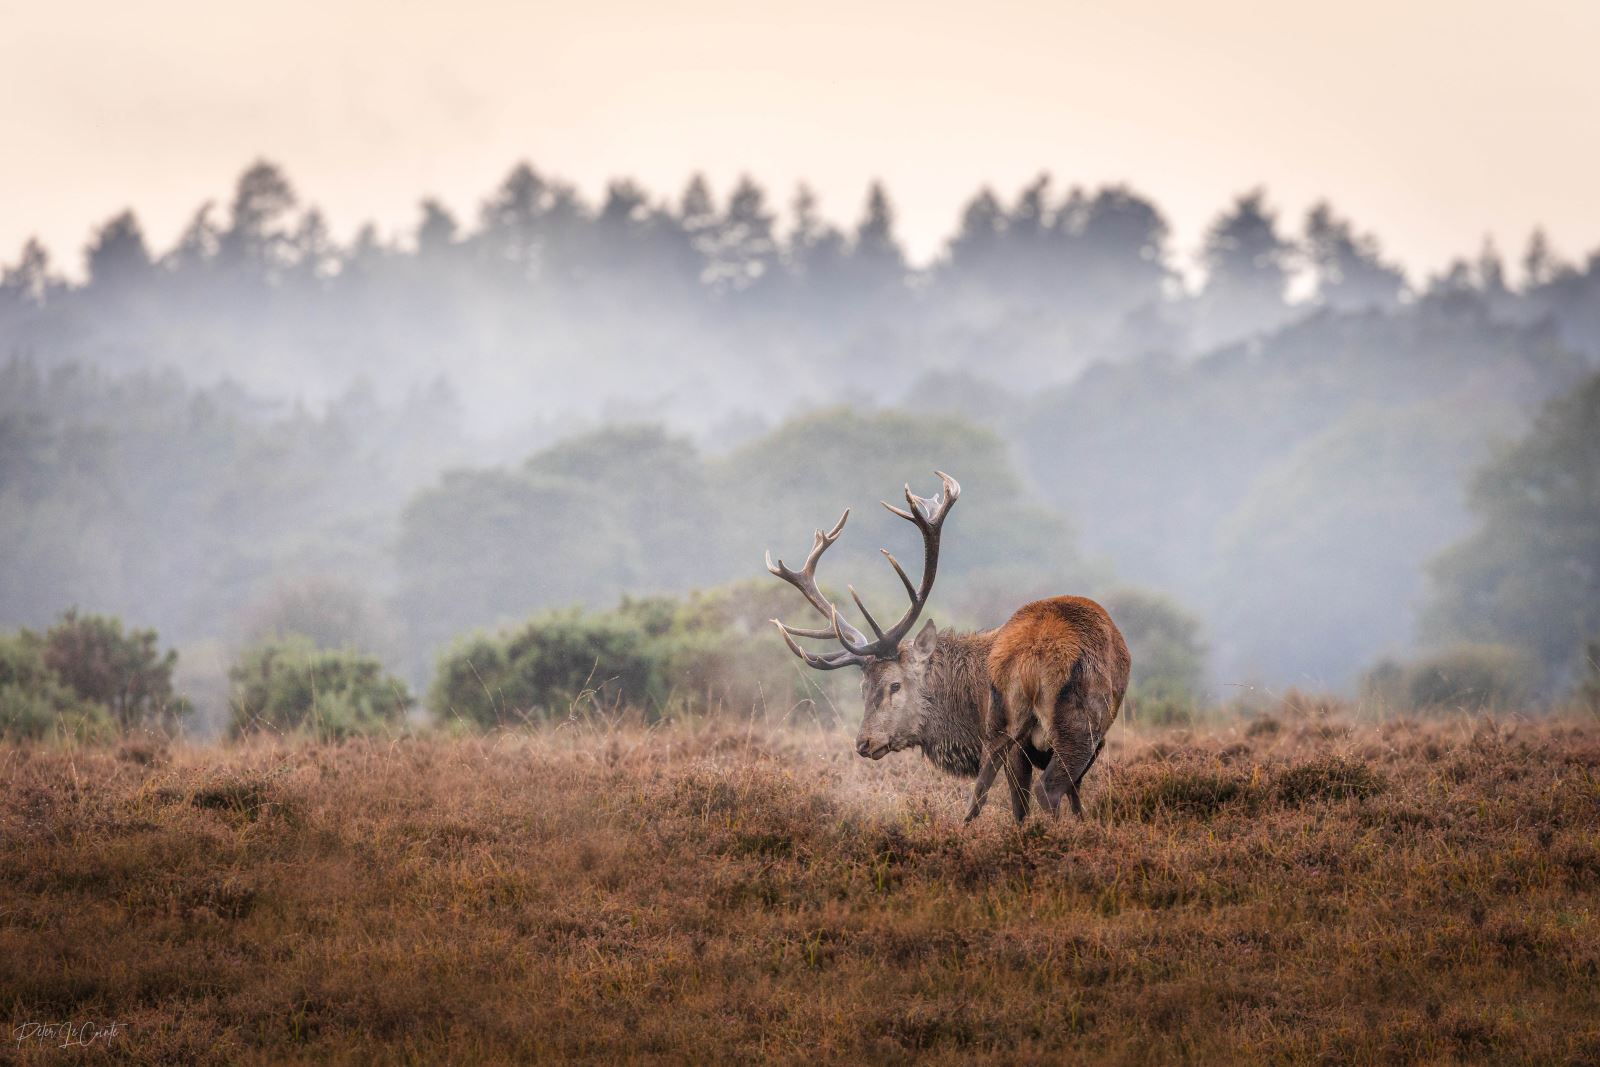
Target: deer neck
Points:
(955, 694)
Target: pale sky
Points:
(1432, 123)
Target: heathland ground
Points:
(1296, 886)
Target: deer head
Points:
(892, 669)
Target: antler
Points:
(805, 580)
(928, 515)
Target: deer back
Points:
(1050, 650)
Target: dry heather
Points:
(1380, 894)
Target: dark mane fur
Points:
(955, 697)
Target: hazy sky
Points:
(1433, 123)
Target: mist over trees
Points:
(1529, 573)
(394, 441)
(548, 308)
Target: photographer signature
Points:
(69, 1034)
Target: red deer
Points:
(1039, 693)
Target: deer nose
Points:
(862, 748)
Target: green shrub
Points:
(123, 672)
(706, 653)
(470, 683)
(1169, 656)
(1153, 705)
(1465, 677)
(34, 702)
(289, 685)
(541, 669)
(1384, 685)
(567, 654)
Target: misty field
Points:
(1288, 888)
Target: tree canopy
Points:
(1529, 575)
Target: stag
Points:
(1039, 693)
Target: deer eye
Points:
(894, 687)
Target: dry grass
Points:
(1376, 894)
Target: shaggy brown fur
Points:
(955, 697)
(1059, 670)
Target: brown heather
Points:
(1316, 892)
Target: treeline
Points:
(1296, 488)
(1508, 607)
(702, 310)
(708, 655)
(558, 404)
(1292, 495)
(637, 511)
(215, 515)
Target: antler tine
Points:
(862, 647)
(805, 580)
(876, 629)
(911, 590)
(801, 631)
(928, 516)
(832, 661)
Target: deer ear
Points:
(926, 638)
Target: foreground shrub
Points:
(545, 666)
(712, 650)
(125, 673)
(85, 677)
(290, 686)
(1169, 656)
(34, 702)
(1465, 677)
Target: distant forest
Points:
(560, 402)
(547, 309)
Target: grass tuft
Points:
(1330, 777)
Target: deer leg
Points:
(1051, 786)
(988, 767)
(1041, 793)
(1019, 775)
(1092, 757)
(994, 732)
(1077, 801)
(1057, 783)
(1075, 741)
(1059, 780)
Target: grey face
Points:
(892, 694)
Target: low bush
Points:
(1189, 792)
(1460, 678)
(1169, 656)
(125, 673)
(712, 651)
(291, 686)
(85, 677)
(34, 702)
